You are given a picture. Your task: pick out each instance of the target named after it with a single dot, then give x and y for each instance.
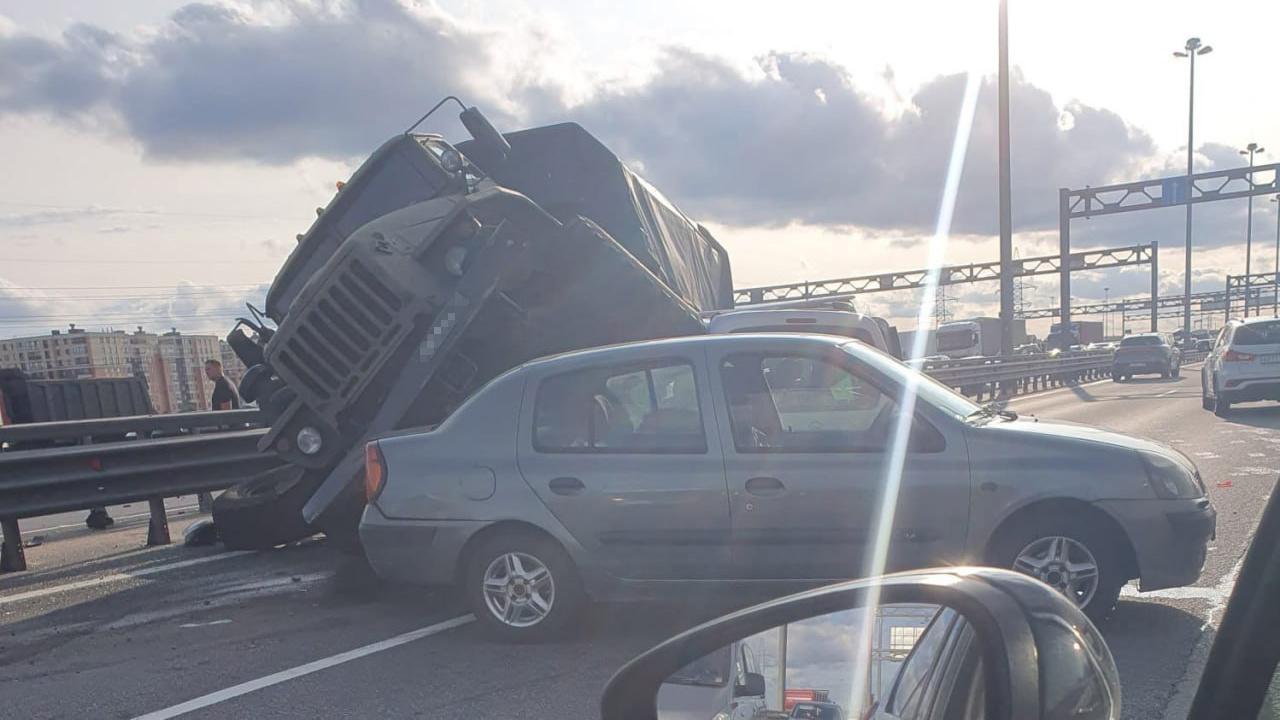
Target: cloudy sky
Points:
(160, 156)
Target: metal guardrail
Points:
(1004, 376)
(141, 425)
(109, 461)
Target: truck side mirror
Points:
(494, 147)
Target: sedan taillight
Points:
(375, 471)
(1236, 356)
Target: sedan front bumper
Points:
(1170, 538)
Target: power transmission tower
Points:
(942, 307)
(1020, 287)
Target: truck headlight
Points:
(1170, 479)
(309, 441)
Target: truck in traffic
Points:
(1081, 332)
(434, 269)
(980, 336)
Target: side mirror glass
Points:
(957, 643)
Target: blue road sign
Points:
(1173, 191)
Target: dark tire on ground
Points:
(1177, 371)
(1206, 402)
(266, 510)
(568, 600)
(1221, 406)
(1101, 540)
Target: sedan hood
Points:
(1087, 433)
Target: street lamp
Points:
(1250, 150)
(1190, 50)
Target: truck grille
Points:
(342, 334)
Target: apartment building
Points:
(172, 363)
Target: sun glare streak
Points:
(896, 457)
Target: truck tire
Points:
(544, 590)
(1086, 542)
(266, 510)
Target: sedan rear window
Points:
(637, 409)
(1265, 333)
(1139, 340)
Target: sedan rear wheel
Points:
(523, 587)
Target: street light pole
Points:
(1106, 313)
(1275, 273)
(1249, 150)
(1190, 51)
(1006, 214)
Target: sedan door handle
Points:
(566, 486)
(765, 486)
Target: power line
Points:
(123, 287)
(92, 209)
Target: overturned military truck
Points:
(433, 270)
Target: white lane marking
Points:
(223, 621)
(314, 666)
(1167, 393)
(170, 511)
(1216, 595)
(118, 577)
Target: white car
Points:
(845, 323)
(1244, 365)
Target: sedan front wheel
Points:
(1079, 558)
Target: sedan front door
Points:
(807, 438)
(627, 458)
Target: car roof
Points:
(1255, 320)
(687, 344)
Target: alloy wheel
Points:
(1063, 563)
(518, 589)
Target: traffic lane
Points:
(195, 630)
(1152, 636)
(464, 673)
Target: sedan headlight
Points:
(1169, 478)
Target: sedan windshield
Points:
(930, 391)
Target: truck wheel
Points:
(266, 510)
(1079, 557)
(523, 587)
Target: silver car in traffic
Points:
(759, 460)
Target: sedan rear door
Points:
(625, 454)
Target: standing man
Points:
(224, 397)
(224, 393)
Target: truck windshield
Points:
(929, 391)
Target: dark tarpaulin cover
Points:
(566, 171)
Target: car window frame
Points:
(1243, 662)
(620, 368)
(843, 361)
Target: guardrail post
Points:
(158, 528)
(12, 557)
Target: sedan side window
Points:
(634, 409)
(793, 403)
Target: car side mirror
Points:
(984, 642)
(752, 686)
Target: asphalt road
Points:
(103, 627)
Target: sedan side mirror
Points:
(979, 642)
(752, 686)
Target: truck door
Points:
(806, 438)
(627, 458)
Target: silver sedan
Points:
(739, 461)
